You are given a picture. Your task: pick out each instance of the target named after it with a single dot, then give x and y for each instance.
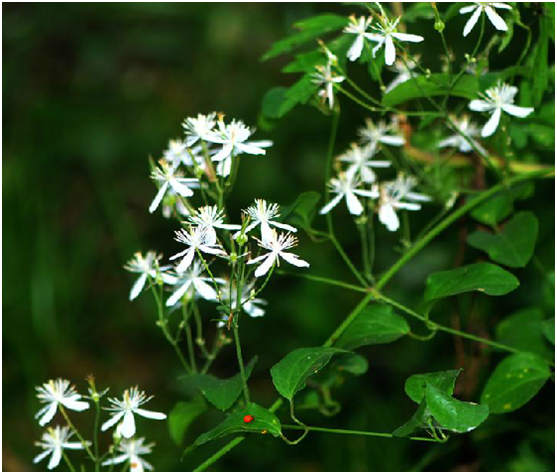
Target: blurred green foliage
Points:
(90, 91)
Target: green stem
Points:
(217, 289)
(240, 361)
(325, 280)
(84, 443)
(96, 434)
(219, 454)
(68, 462)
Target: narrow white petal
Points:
(504, 6)
(390, 53)
(354, 205)
(116, 460)
(186, 261)
(55, 458)
(332, 203)
(48, 414)
(250, 149)
(76, 405)
(229, 226)
(370, 193)
(177, 295)
(257, 259)
(153, 415)
(374, 37)
(492, 124)
(409, 206)
(472, 21)
(467, 9)
(138, 286)
(392, 140)
(180, 188)
(294, 259)
(495, 19)
(253, 310)
(136, 464)
(41, 456)
(158, 198)
(211, 250)
(387, 216)
(355, 50)
(74, 445)
(408, 38)
(206, 291)
(480, 106)
(518, 111)
(266, 232)
(417, 197)
(451, 141)
(224, 153)
(265, 266)
(127, 427)
(112, 421)
(224, 167)
(284, 226)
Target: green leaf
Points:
(302, 212)
(494, 210)
(376, 324)
(484, 277)
(515, 381)
(514, 245)
(430, 86)
(453, 414)
(300, 93)
(182, 416)
(310, 29)
(548, 328)
(444, 381)
(417, 422)
(263, 422)
(523, 330)
(352, 363)
(220, 392)
(290, 374)
(306, 62)
(273, 102)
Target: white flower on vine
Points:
(211, 218)
(54, 393)
(361, 163)
(381, 132)
(467, 128)
(392, 195)
(196, 239)
(199, 128)
(132, 450)
(276, 245)
(53, 442)
(324, 77)
(192, 280)
(177, 153)
(168, 178)
(496, 99)
(346, 186)
(147, 266)
(489, 9)
(403, 72)
(359, 28)
(264, 214)
(252, 306)
(384, 37)
(125, 410)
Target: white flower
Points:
(374, 133)
(467, 128)
(132, 450)
(496, 99)
(56, 392)
(324, 76)
(276, 246)
(392, 194)
(403, 71)
(199, 128)
(53, 442)
(361, 163)
(126, 408)
(147, 266)
(196, 238)
(346, 186)
(209, 217)
(252, 306)
(488, 8)
(177, 153)
(172, 203)
(192, 279)
(168, 177)
(264, 214)
(386, 33)
(357, 27)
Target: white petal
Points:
(518, 111)
(330, 95)
(480, 106)
(265, 266)
(253, 310)
(205, 290)
(224, 167)
(48, 413)
(135, 464)
(387, 216)
(504, 6)
(284, 226)
(266, 232)
(495, 19)
(177, 295)
(250, 149)
(332, 203)
(472, 21)
(229, 226)
(74, 445)
(186, 261)
(390, 53)
(374, 37)
(392, 140)
(354, 205)
(370, 193)
(492, 124)
(76, 405)
(153, 415)
(224, 153)
(368, 176)
(417, 197)
(55, 458)
(408, 38)
(451, 141)
(180, 188)
(138, 286)
(409, 206)
(41, 456)
(355, 50)
(257, 259)
(211, 250)
(127, 427)
(112, 421)
(467, 9)
(158, 198)
(377, 46)
(116, 460)
(294, 259)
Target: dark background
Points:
(90, 91)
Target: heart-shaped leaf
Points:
(416, 384)
(524, 330)
(182, 416)
(417, 422)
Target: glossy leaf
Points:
(416, 384)
(417, 422)
(514, 245)
(453, 414)
(515, 381)
(494, 210)
(302, 212)
(273, 101)
(523, 330)
(548, 328)
(352, 363)
(221, 392)
(376, 324)
(484, 277)
(182, 416)
(290, 374)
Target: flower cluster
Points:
(61, 395)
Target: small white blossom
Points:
(132, 450)
(467, 128)
(177, 153)
(276, 246)
(381, 132)
(54, 393)
(403, 71)
(324, 77)
(168, 177)
(346, 186)
(384, 37)
(196, 238)
(192, 279)
(496, 99)
(361, 163)
(264, 214)
(199, 128)
(147, 266)
(359, 28)
(53, 442)
(489, 9)
(392, 195)
(126, 408)
(251, 306)
(211, 218)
